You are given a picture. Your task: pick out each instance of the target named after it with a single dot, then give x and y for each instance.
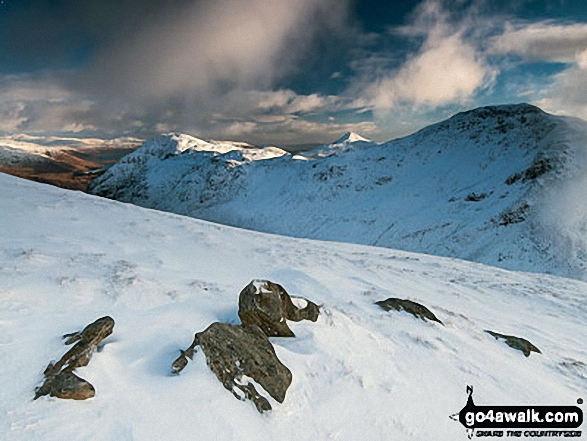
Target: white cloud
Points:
(567, 93)
(40, 104)
(448, 67)
(551, 42)
(285, 101)
(296, 130)
(543, 41)
(444, 71)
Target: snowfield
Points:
(359, 372)
(499, 185)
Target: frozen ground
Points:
(358, 373)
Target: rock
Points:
(413, 308)
(94, 332)
(239, 353)
(268, 306)
(66, 385)
(521, 344)
(87, 340)
(59, 378)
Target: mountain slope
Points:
(358, 372)
(64, 162)
(497, 185)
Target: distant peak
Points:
(350, 137)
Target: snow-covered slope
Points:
(26, 150)
(358, 372)
(498, 185)
(24, 154)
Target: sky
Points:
(282, 72)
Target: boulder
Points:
(237, 354)
(66, 385)
(60, 381)
(268, 306)
(417, 310)
(521, 344)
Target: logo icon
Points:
(557, 420)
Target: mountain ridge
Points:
(483, 185)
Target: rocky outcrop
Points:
(518, 343)
(239, 353)
(417, 310)
(66, 385)
(268, 306)
(60, 381)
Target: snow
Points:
(460, 188)
(25, 150)
(358, 373)
(172, 144)
(42, 143)
(350, 137)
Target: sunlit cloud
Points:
(447, 67)
(222, 69)
(543, 41)
(552, 42)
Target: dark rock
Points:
(518, 343)
(267, 305)
(540, 166)
(514, 215)
(413, 308)
(96, 331)
(59, 378)
(236, 353)
(66, 385)
(87, 340)
(475, 197)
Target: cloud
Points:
(38, 104)
(287, 131)
(542, 41)
(444, 71)
(207, 47)
(551, 42)
(168, 65)
(567, 93)
(447, 67)
(224, 68)
(280, 117)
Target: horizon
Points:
(294, 73)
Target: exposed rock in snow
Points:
(268, 306)
(237, 353)
(67, 258)
(417, 310)
(60, 381)
(66, 385)
(521, 344)
(497, 185)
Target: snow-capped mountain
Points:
(350, 137)
(62, 161)
(348, 141)
(499, 185)
(174, 144)
(359, 372)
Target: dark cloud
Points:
(263, 70)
